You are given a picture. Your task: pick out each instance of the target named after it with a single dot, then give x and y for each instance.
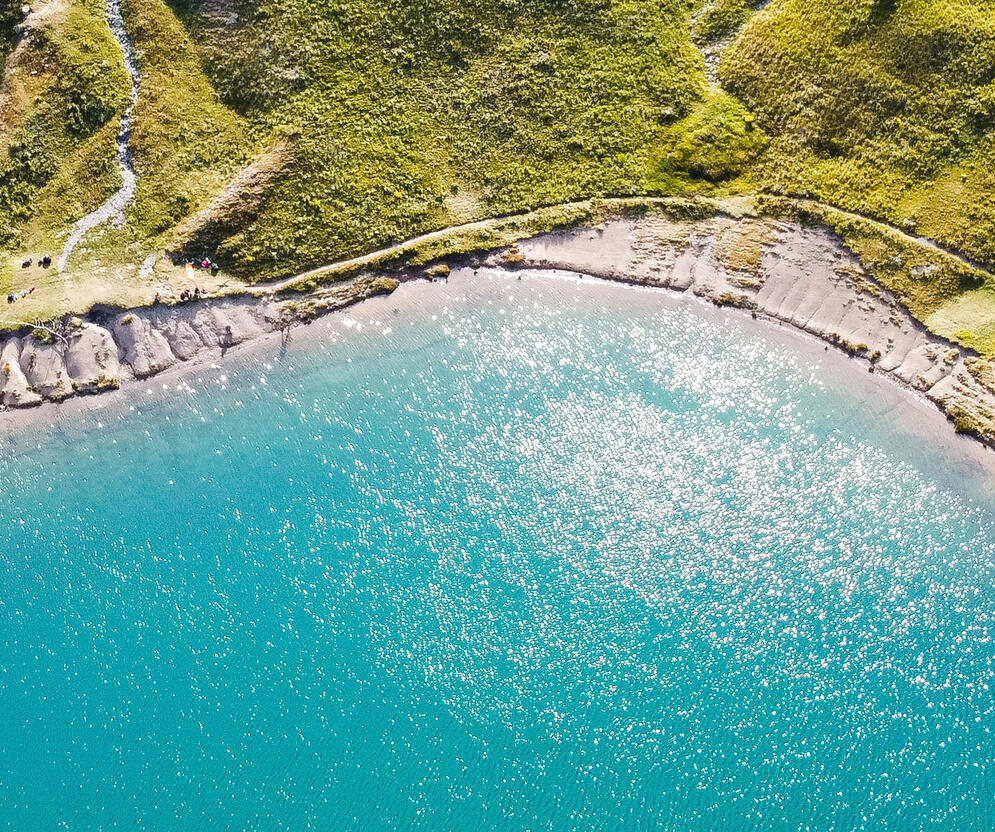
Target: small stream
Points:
(113, 208)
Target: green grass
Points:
(66, 87)
(186, 143)
(882, 106)
(413, 116)
(405, 117)
(716, 144)
(968, 319)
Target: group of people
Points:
(189, 266)
(185, 295)
(14, 296)
(205, 263)
(44, 262)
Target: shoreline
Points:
(802, 278)
(778, 271)
(900, 421)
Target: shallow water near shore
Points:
(500, 554)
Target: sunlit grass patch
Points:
(968, 319)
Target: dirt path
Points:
(391, 251)
(375, 257)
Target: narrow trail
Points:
(113, 208)
(375, 257)
(391, 251)
(711, 53)
(886, 225)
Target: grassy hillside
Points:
(279, 135)
(883, 106)
(417, 115)
(64, 88)
(186, 144)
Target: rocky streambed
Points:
(113, 208)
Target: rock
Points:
(45, 369)
(92, 361)
(968, 401)
(184, 340)
(14, 388)
(142, 346)
(924, 366)
(923, 272)
(439, 270)
(210, 323)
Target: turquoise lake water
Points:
(499, 555)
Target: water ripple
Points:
(542, 556)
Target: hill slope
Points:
(882, 106)
(417, 115)
(278, 135)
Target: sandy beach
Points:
(781, 272)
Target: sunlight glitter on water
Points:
(595, 561)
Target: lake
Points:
(500, 554)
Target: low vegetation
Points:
(721, 19)
(276, 136)
(881, 106)
(712, 150)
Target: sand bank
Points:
(785, 272)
